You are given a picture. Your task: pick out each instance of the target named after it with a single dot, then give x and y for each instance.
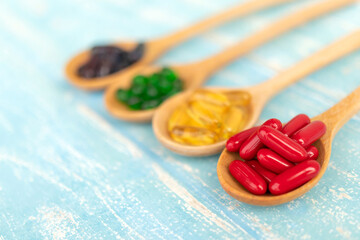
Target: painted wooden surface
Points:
(70, 171)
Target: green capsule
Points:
(134, 103)
(165, 86)
(138, 89)
(123, 95)
(147, 92)
(169, 74)
(140, 80)
(154, 79)
(151, 104)
(151, 93)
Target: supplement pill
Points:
(313, 152)
(233, 143)
(281, 144)
(273, 123)
(232, 122)
(295, 124)
(210, 110)
(193, 135)
(266, 174)
(294, 177)
(106, 60)
(250, 147)
(310, 133)
(247, 176)
(253, 144)
(273, 161)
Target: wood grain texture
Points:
(68, 170)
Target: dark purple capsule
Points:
(106, 60)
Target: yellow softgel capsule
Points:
(208, 117)
(239, 98)
(210, 97)
(207, 107)
(234, 121)
(206, 114)
(180, 117)
(193, 135)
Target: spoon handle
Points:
(275, 29)
(341, 112)
(307, 66)
(236, 11)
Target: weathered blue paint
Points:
(70, 171)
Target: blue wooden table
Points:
(68, 170)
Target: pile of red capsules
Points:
(286, 158)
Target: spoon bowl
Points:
(334, 119)
(161, 119)
(237, 191)
(191, 79)
(71, 69)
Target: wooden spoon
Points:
(195, 74)
(334, 118)
(154, 48)
(260, 94)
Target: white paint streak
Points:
(123, 143)
(76, 154)
(34, 169)
(194, 174)
(56, 224)
(120, 220)
(184, 166)
(340, 195)
(150, 216)
(350, 175)
(345, 234)
(266, 229)
(9, 225)
(111, 230)
(179, 190)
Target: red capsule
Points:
(263, 172)
(273, 123)
(233, 144)
(294, 177)
(313, 152)
(310, 133)
(295, 124)
(252, 145)
(247, 176)
(273, 161)
(281, 144)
